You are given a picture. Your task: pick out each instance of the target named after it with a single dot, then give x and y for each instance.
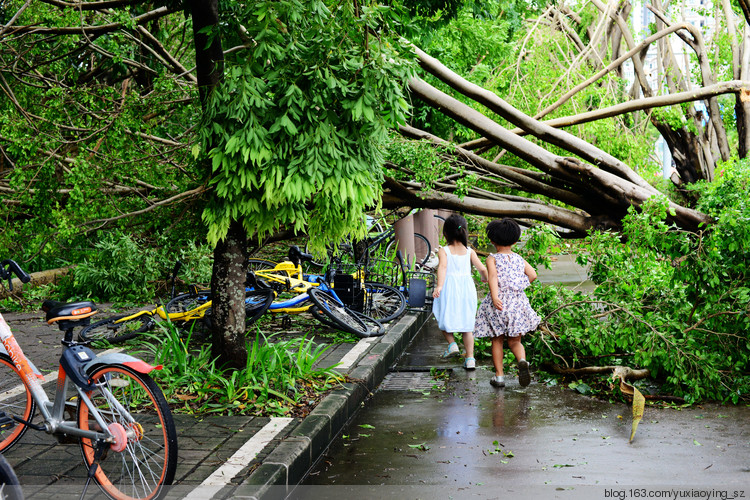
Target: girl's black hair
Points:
(504, 232)
(455, 229)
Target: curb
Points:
(290, 461)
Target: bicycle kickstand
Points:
(98, 452)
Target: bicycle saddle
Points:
(58, 311)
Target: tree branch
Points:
(92, 30)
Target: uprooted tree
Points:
(694, 112)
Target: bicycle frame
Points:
(53, 411)
(291, 275)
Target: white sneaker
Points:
(470, 363)
(498, 381)
(451, 351)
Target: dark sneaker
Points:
(524, 377)
(497, 381)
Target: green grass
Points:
(280, 376)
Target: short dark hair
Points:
(504, 232)
(455, 229)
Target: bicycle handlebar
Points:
(8, 268)
(297, 256)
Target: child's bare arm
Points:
(442, 267)
(492, 281)
(529, 271)
(479, 266)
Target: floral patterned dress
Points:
(517, 317)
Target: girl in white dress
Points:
(505, 313)
(455, 304)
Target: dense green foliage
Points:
(98, 132)
(84, 141)
(295, 131)
(121, 269)
(674, 302)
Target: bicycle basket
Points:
(383, 271)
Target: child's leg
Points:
(448, 337)
(516, 347)
(497, 354)
(452, 349)
(469, 344)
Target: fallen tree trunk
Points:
(37, 279)
(624, 372)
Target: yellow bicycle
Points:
(378, 301)
(308, 293)
(184, 309)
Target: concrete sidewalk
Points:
(219, 457)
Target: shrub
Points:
(671, 301)
(120, 269)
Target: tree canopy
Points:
(110, 100)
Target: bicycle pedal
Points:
(6, 422)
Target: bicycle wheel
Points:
(144, 456)
(257, 303)
(117, 328)
(260, 264)
(15, 399)
(10, 487)
(374, 327)
(323, 318)
(344, 318)
(422, 248)
(384, 303)
(187, 302)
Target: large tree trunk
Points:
(228, 277)
(228, 298)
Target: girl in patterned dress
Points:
(455, 304)
(505, 313)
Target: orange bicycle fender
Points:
(119, 358)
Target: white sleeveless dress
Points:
(456, 307)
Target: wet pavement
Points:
(456, 435)
(218, 456)
(450, 434)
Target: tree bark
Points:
(230, 254)
(37, 279)
(228, 298)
